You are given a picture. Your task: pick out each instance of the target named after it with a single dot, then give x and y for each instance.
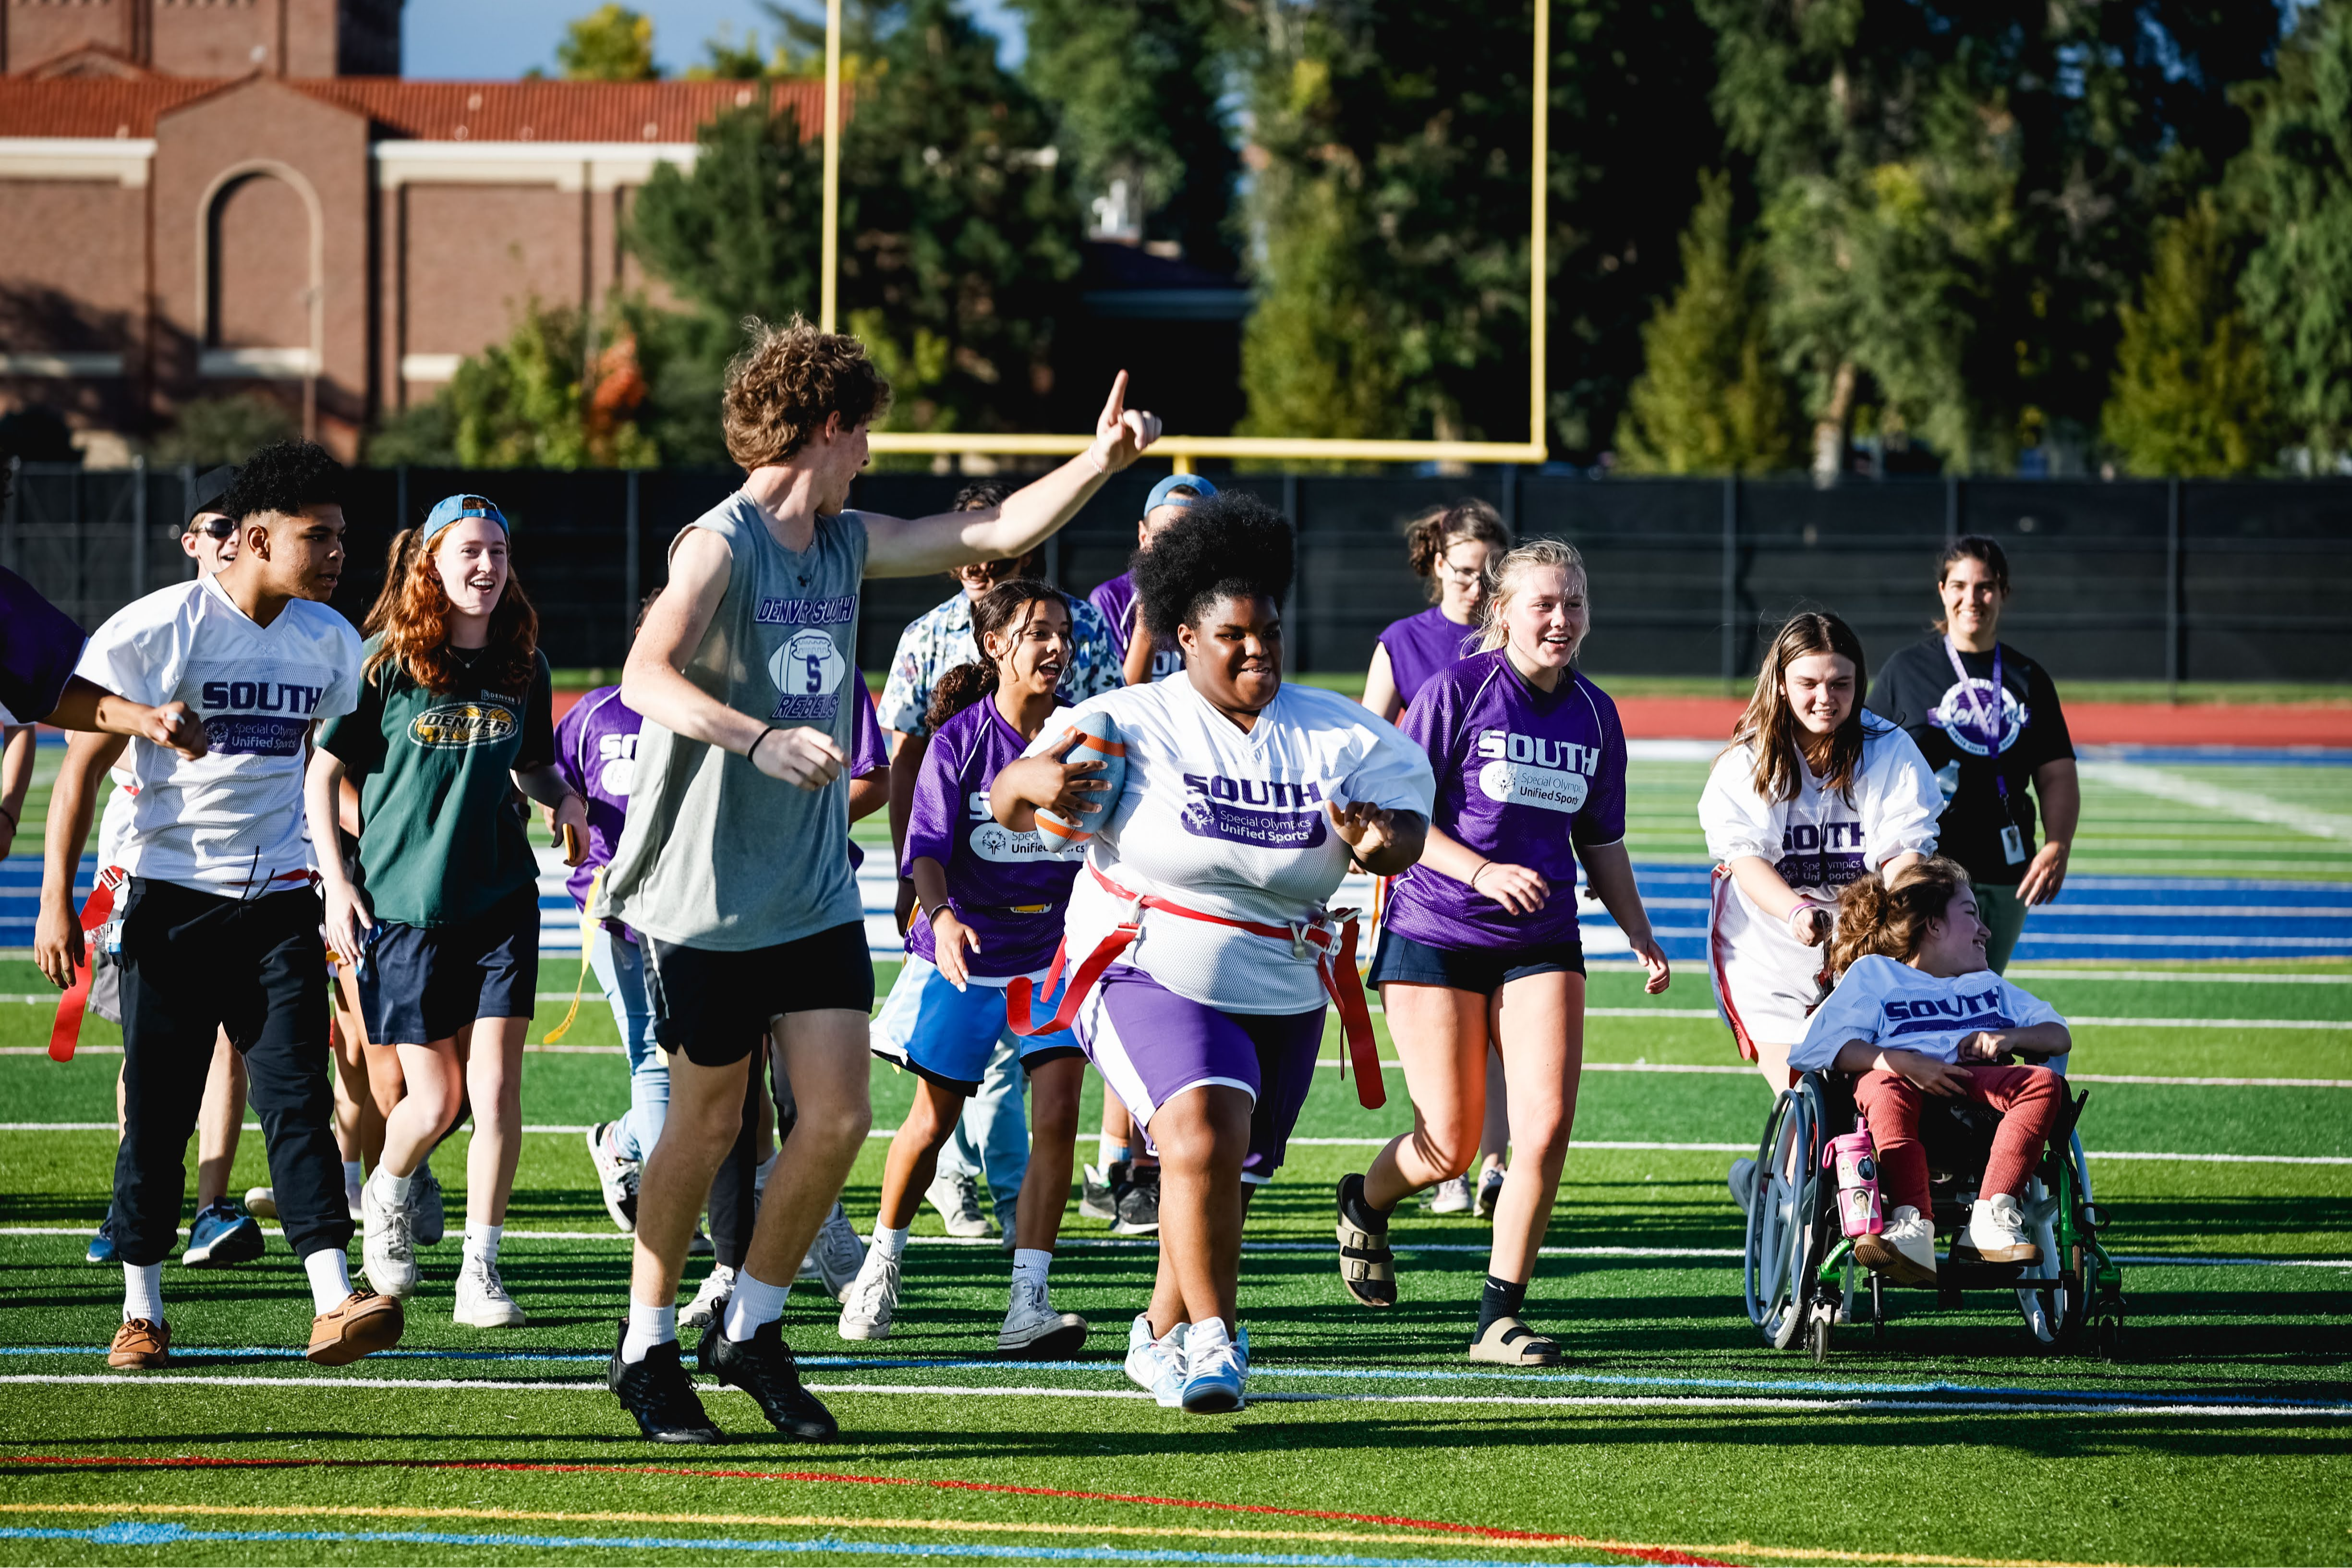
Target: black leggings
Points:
(734, 1200)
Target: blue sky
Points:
(468, 38)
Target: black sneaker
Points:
(1097, 1200)
(761, 1366)
(658, 1392)
(1139, 1204)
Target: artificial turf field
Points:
(1671, 1435)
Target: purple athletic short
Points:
(1151, 1045)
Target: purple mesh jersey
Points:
(1009, 888)
(868, 752)
(1524, 776)
(596, 752)
(1115, 602)
(39, 644)
(1421, 646)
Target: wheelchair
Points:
(1799, 1275)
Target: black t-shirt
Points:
(1917, 688)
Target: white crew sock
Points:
(331, 1278)
(1109, 1151)
(759, 1176)
(482, 1243)
(1031, 1263)
(648, 1327)
(396, 1187)
(753, 1303)
(891, 1243)
(143, 1292)
(352, 1176)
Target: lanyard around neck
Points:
(1989, 725)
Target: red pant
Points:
(2027, 1098)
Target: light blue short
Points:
(944, 1035)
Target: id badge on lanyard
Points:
(2012, 838)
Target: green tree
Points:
(1319, 355)
(1957, 199)
(2297, 176)
(210, 430)
(1414, 117)
(2191, 396)
(1710, 400)
(739, 232)
(545, 398)
(1138, 87)
(611, 43)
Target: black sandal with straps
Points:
(1367, 1266)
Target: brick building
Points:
(205, 197)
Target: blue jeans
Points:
(620, 966)
(992, 1137)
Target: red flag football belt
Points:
(66, 1033)
(1333, 940)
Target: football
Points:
(1098, 742)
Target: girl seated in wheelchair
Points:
(1916, 1012)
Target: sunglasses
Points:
(220, 528)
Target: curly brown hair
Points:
(1893, 920)
(412, 617)
(1430, 535)
(785, 382)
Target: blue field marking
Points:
(2119, 919)
(2223, 756)
(141, 1532)
(2121, 1399)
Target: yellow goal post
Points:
(1183, 449)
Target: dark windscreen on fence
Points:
(2131, 580)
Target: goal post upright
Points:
(1184, 450)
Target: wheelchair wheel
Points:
(1817, 1331)
(2050, 1294)
(1784, 1219)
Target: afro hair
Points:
(284, 477)
(1229, 545)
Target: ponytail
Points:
(958, 689)
(1892, 922)
(1429, 536)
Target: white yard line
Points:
(2245, 804)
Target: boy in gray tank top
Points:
(730, 862)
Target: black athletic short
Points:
(715, 1006)
(1482, 970)
(422, 983)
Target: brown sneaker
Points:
(141, 1344)
(365, 1323)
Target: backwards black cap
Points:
(208, 489)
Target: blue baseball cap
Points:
(1160, 496)
(458, 509)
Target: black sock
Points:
(1503, 1300)
(1359, 1212)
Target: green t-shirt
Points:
(442, 840)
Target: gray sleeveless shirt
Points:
(715, 853)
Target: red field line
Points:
(1645, 1553)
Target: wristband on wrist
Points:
(751, 753)
(1474, 876)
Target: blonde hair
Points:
(1503, 580)
(785, 382)
(1873, 918)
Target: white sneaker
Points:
(425, 1212)
(1034, 1331)
(1490, 1190)
(1904, 1251)
(956, 1195)
(1216, 1369)
(1995, 1233)
(835, 1256)
(617, 1179)
(865, 1314)
(482, 1299)
(261, 1203)
(388, 1254)
(709, 1302)
(1452, 1196)
(1157, 1366)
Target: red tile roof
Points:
(418, 111)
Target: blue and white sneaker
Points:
(1157, 1366)
(1215, 1369)
(101, 1245)
(220, 1236)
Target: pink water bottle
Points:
(1857, 1159)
